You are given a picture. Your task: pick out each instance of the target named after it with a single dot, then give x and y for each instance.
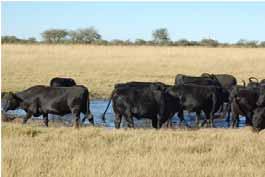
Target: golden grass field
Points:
(58, 151)
(31, 150)
(100, 67)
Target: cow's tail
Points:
(103, 115)
(251, 79)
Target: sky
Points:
(225, 21)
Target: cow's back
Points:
(62, 82)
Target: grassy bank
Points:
(97, 152)
(99, 67)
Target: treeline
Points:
(91, 36)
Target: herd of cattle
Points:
(208, 93)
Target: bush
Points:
(209, 42)
(140, 42)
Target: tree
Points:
(54, 35)
(88, 35)
(84, 35)
(246, 43)
(9, 39)
(161, 36)
(75, 36)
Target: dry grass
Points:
(34, 151)
(99, 67)
(30, 151)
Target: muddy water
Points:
(98, 107)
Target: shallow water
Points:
(97, 108)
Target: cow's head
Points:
(10, 101)
(174, 92)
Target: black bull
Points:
(197, 98)
(42, 100)
(223, 81)
(142, 100)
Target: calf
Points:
(62, 82)
(42, 100)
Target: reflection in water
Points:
(98, 107)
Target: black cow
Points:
(259, 118)
(243, 102)
(42, 100)
(226, 80)
(136, 84)
(206, 80)
(143, 102)
(199, 80)
(197, 98)
(62, 82)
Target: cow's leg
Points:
(214, 107)
(45, 119)
(91, 118)
(117, 120)
(128, 116)
(198, 117)
(25, 119)
(228, 108)
(205, 119)
(249, 119)
(88, 115)
(235, 120)
(212, 120)
(76, 117)
(181, 117)
(169, 123)
(154, 122)
(208, 119)
(129, 120)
